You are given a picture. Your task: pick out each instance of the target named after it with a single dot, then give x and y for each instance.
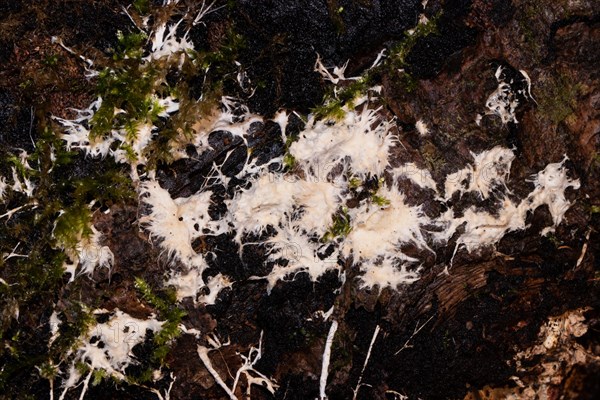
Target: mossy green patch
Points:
(165, 303)
(557, 97)
(340, 227)
(343, 97)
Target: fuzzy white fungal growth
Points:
(89, 254)
(54, 326)
(178, 222)
(528, 80)
(338, 72)
(318, 200)
(77, 134)
(107, 346)
(119, 335)
(215, 284)
(26, 187)
(167, 45)
(272, 199)
(422, 128)
(503, 102)
(230, 119)
(299, 253)
(377, 234)
(378, 231)
(186, 284)
(490, 170)
(418, 176)
(92, 254)
(483, 229)
(361, 142)
(298, 210)
(281, 119)
(457, 181)
(550, 186)
(264, 204)
(387, 274)
(17, 186)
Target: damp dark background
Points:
(486, 309)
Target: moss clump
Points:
(380, 200)
(56, 216)
(336, 102)
(126, 86)
(131, 87)
(142, 6)
(340, 227)
(166, 305)
(557, 97)
(400, 51)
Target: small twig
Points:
(131, 18)
(157, 392)
(583, 249)
(31, 126)
(10, 213)
(359, 384)
(417, 330)
(86, 383)
(205, 10)
(400, 395)
(13, 254)
(203, 354)
(326, 358)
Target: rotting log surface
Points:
(488, 308)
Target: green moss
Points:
(130, 46)
(557, 97)
(289, 161)
(51, 60)
(334, 102)
(380, 200)
(331, 109)
(66, 196)
(58, 216)
(355, 183)
(48, 371)
(400, 51)
(340, 227)
(128, 89)
(141, 6)
(335, 14)
(130, 84)
(166, 305)
(98, 376)
(73, 225)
